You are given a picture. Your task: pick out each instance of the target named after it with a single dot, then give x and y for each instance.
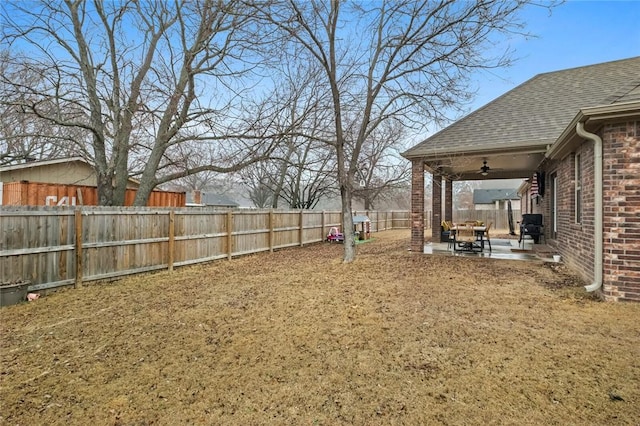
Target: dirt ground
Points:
(296, 337)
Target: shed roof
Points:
(360, 219)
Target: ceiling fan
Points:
(484, 170)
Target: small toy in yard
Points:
(335, 235)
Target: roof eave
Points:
(614, 111)
(593, 117)
(534, 147)
(40, 163)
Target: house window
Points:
(578, 187)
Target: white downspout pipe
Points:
(597, 205)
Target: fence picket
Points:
(78, 248)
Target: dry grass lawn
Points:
(296, 337)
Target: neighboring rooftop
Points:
(490, 196)
(218, 200)
(40, 163)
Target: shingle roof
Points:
(31, 164)
(489, 196)
(536, 112)
(219, 200)
(632, 95)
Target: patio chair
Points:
(446, 233)
(532, 226)
(485, 236)
(465, 239)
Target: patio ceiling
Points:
(503, 164)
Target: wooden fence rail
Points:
(57, 246)
(52, 247)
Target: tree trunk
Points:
(105, 188)
(347, 223)
(121, 181)
(148, 179)
(144, 191)
(368, 205)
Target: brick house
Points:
(577, 131)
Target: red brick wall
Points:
(621, 164)
(621, 211)
(417, 206)
(574, 241)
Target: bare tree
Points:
(308, 176)
(257, 179)
(381, 171)
(301, 169)
(408, 60)
(463, 194)
(189, 156)
(24, 137)
(301, 172)
(139, 78)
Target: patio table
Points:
(479, 232)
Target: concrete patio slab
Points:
(501, 248)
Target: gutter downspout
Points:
(597, 205)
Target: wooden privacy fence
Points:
(53, 247)
(499, 218)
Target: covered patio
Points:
(578, 130)
(450, 163)
(507, 138)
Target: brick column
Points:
(417, 206)
(448, 199)
(436, 206)
(621, 186)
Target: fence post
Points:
(172, 231)
(229, 234)
(79, 266)
(272, 224)
(323, 223)
(301, 227)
